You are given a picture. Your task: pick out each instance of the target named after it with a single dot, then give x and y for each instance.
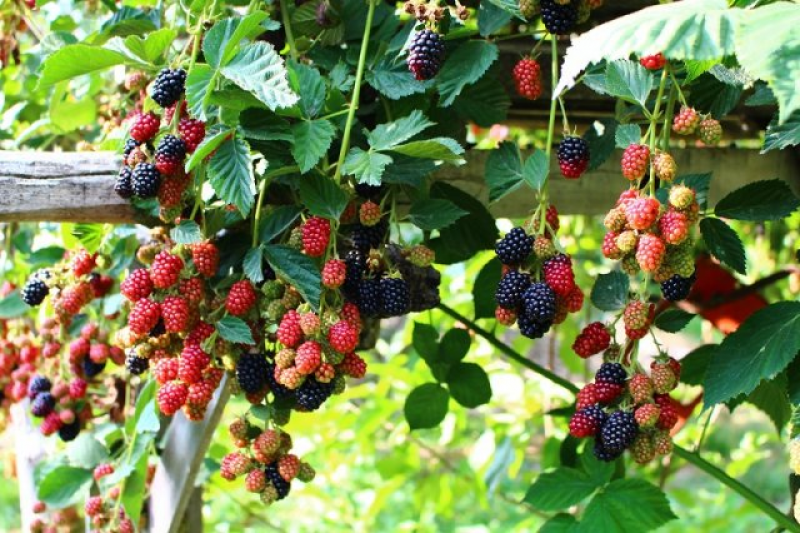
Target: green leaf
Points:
(723, 243)
(234, 329)
(469, 385)
(64, 485)
(86, 451)
(145, 405)
(406, 170)
(559, 489)
(709, 95)
(230, 174)
(628, 80)
(491, 18)
(470, 234)
(260, 70)
(503, 170)
(68, 114)
(252, 264)
(389, 135)
(535, 170)
(277, 221)
(153, 47)
(77, 59)
(627, 506)
(695, 68)
(439, 148)
(454, 346)
(221, 42)
(322, 196)
(757, 201)
(463, 67)
(509, 6)
(425, 340)
(131, 21)
(308, 83)
(426, 406)
(186, 232)
(600, 472)
(780, 136)
(610, 291)
(772, 398)
(601, 138)
(367, 167)
(298, 269)
(483, 289)
(627, 134)
(264, 125)
(393, 80)
(210, 143)
(91, 236)
(695, 364)
(430, 213)
(560, 523)
(485, 102)
(46, 256)
(133, 492)
(692, 29)
(760, 349)
(312, 138)
(673, 320)
(198, 90)
(12, 306)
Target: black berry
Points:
(612, 373)
(395, 296)
(274, 477)
(168, 87)
(172, 146)
(35, 291)
(573, 156)
(68, 432)
(145, 180)
(539, 302)
(251, 372)
(367, 237)
(136, 365)
(43, 404)
(533, 329)
(602, 453)
(677, 288)
(91, 369)
(312, 393)
(618, 432)
(369, 297)
(515, 247)
(425, 54)
(510, 289)
(124, 185)
(558, 19)
(38, 384)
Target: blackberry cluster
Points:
(425, 54)
(511, 288)
(573, 157)
(366, 238)
(677, 288)
(252, 372)
(145, 180)
(168, 87)
(35, 291)
(558, 18)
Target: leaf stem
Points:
(653, 129)
(262, 189)
(362, 61)
(287, 25)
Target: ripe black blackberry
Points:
(573, 156)
(279, 391)
(145, 180)
(515, 247)
(37, 385)
(613, 373)
(533, 329)
(619, 431)
(602, 453)
(425, 54)
(539, 302)
(251, 372)
(130, 145)
(168, 86)
(355, 262)
(172, 146)
(677, 288)
(159, 329)
(268, 272)
(43, 404)
(369, 192)
(91, 369)
(35, 291)
(136, 365)
(395, 296)
(510, 289)
(124, 185)
(558, 19)
(68, 432)
(273, 476)
(369, 297)
(312, 393)
(367, 237)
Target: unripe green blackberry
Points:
(529, 8)
(710, 131)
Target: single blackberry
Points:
(355, 262)
(368, 237)
(596, 413)
(278, 390)
(38, 384)
(677, 288)
(159, 329)
(136, 365)
(558, 19)
(124, 185)
(531, 328)
(369, 297)
(312, 393)
(573, 156)
(35, 291)
(425, 54)
(130, 145)
(91, 369)
(168, 86)
(515, 247)
(146, 179)
(274, 477)
(613, 373)
(540, 302)
(171, 146)
(603, 454)
(68, 432)
(510, 289)
(251, 372)
(395, 296)
(43, 404)
(619, 431)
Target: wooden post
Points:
(29, 450)
(185, 448)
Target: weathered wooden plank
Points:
(185, 448)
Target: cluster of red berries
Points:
(537, 289)
(688, 121)
(100, 509)
(625, 409)
(264, 461)
(55, 520)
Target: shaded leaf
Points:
(322, 196)
(253, 264)
(234, 329)
(431, 213)
(757, 201)
(186, 232)
(484, 287)
(503, 170)
(627, 506)
(465, 66)
(559, 489)
(610, 291)
(298, 269)
(469, 385)
(673, 320)
(426, 406)
(723, 243)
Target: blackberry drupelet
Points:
(43, 404)
(425, 54)
(539, 302)
(278, 390)
(37, 385)
(91, 369)
(251, 372)
(312, 393)
(619, 431)
(369, 297)
(146, 180)
(677, 288)
(573, 156)
(613, 373)
(124, 185)
(136, 365)
(515, 247)
(395, 296)
(35, 291)
(68, 432)
(510, 289)
(274, 477)
(558, 19)
(533, 329)
(168, 86)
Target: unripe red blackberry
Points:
(587, 422)
(681, 197)
(144, 316)
(642, 213)
(506, 317)
(145, 127)
(635, 160)
(527, 78)
(192, 132)
(640, 388)
(166, 270)
(594, 339)
(558, 274)
(663, 377)
(653, 62)
(686, 121)
(369, 213)
(669, 412)
(241, 298)
(573, 157)
(316, 234)
(665, 166)
(674, 227)
(425, 54)
(610, 248)
(586, 397)
(642, 449)
(647, 415)
(650, 252)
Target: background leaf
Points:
(434, 213)
(469, 385)
(723, 243)
(298, 269)
(610, 291)
(673, 320)
(757, 201)
(322, 197)
(426, 406)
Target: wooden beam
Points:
(77, 187)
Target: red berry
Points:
(166, 370)
(175, 311)
(610, 248)
(574, 300)
(170, 192)
(343, 337)
(653, 62)
(171, 397)
(288, 466)
(642, 212)
(594, 339)
(200, 333)
(166, 270)
(290, 334)
(255, 481)
(77, 388)
(233, 465)
(334, 273)
(353, 365)
(83, 263)
(308, 357)
(193, 361)
(674, 227)
(663, 377)
(647, 415)
(145, 127)
(635, 160)
(607, 392)
(205, 257)
(650, 252)
(506, 317)
(686, 121)
(94, 506)
(586, 397)
(193, 289)
(191, 132)
(370, 213)
(325, 373)
(640, 388)
(144, 316)
(669, 412)
(558, 274)
(527, 78)
(98, 353)
(241, 298)
(316, 234)
(137, 285)
(103, 470)
(586, 422)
